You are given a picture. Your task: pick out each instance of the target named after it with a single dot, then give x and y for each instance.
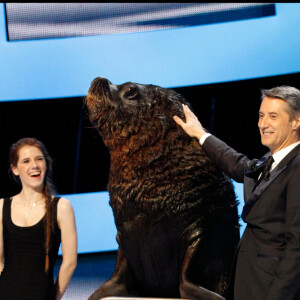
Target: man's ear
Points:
(296, 122)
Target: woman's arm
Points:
(66, 223)
(1, 238)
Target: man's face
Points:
(276, 128)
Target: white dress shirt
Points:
(281, 154)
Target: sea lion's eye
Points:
(131, 92)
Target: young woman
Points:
(33, 223)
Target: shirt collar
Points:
(281, 154)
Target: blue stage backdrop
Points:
(95, 224)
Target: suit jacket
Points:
(267, 264)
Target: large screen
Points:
(184, 56)
(55, 20)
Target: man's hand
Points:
(192, 126)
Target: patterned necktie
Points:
(266, 171)
(265, 174)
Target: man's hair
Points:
(289, 94)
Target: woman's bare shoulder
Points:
(64, 203)
(1, 207)
(64, 207)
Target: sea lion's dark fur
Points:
(175, 212)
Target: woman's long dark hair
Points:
(48, 189)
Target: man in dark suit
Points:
(267, 264)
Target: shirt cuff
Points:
(204, 137)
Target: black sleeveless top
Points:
(23, 276)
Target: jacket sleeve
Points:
(233, 163)
(286, 282)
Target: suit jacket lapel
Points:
(252, 174)
(251, 197)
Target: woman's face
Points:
(31, 167)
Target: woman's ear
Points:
(14, 170)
